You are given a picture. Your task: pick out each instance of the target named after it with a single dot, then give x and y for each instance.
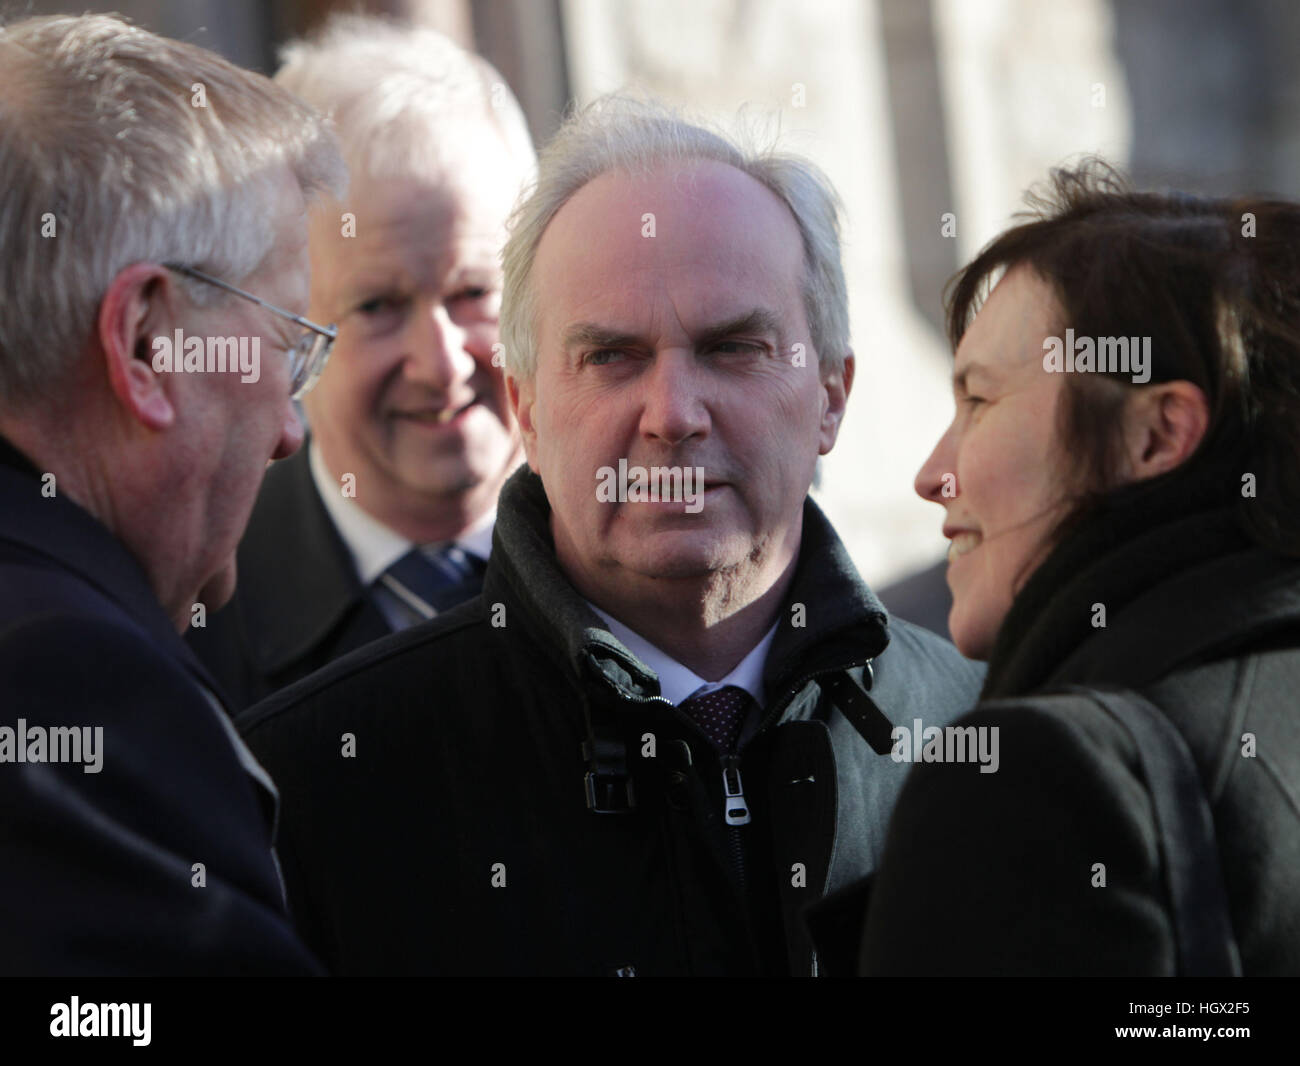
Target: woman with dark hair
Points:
(1121, 484)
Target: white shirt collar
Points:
(374, 546)
(477, 540)
(677, 682)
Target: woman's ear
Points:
(1163, 425)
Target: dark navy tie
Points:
(425, 582)
(720, 714)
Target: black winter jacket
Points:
(99, 871)
(463, 834)
(1054, 865)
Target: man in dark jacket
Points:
(136, 834)
(384, 518)
(665, 726)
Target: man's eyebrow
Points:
(373, 282)
(474, 271)
(590, 335)
(758, 321)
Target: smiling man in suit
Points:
(385, 518)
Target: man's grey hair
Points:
(118, 146)
(398, 94)
(636, 136)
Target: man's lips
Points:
(436, 416)
(697, 490)
(677, 484)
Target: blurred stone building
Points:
(921, 111)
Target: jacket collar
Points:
(1178, 580)
(830, 620)
(292, 554)
(62, 531)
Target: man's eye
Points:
(602, 356)
(381, 305)
(972, 401)
(738, 348)
(474, 304)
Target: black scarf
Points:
(1116, 554)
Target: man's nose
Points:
(437, 354)
(936, 481)
(291, 433)
(673, 403)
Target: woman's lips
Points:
(962, 542)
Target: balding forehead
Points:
(675, 184)
(681, 207)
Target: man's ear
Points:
(135, 309)
(838, 384)
(1163, 425)
(522, 397)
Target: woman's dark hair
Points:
(1215, 284)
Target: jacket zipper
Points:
(735, 813)
(735, 810)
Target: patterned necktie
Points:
(425, 582)
(720, 714)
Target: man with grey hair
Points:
(385, 517)
(665, 727)
(151, 339)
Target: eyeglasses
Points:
(307, 357)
